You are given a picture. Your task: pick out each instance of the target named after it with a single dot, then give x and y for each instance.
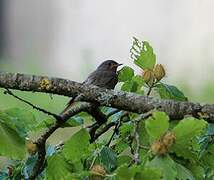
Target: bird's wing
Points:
(105, 79)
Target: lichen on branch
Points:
(104, 97)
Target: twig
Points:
(130, 141)
(32, 105)
(107, 127)
(103, 130)
(137, 136)
(117, 125)
(144, 147)
(150, 89)
(93, 130)
(92, 163)
(137, 139)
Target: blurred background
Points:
(70, 38)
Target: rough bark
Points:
(112, 98)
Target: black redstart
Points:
(105, 76)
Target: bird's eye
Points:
(109, 64)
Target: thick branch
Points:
(116, 99)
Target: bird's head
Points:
(109, 65)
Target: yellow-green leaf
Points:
(11, 143)
(77, 146)
(157, 125)
(58, 168)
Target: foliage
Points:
(168, 149)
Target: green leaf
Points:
(73, 122)
(210, 129)
(207, 158)
(197, 171)
(149, 174)
(11, 143)
(29, 164)
(125, 129)
(22, 118)
(166, 165)
(125, 74)
(121, 145)
(58, 168)
(128, 86)
(4, 175)
(138, 80)
(157, 125)
(125, 172)
(108, 158)
(183, 172)
(170, 92)
(206, 139)
(186, 132)
(188, 128)
(77, 146)
(133, 85)
(46, 123)
(144, 136)
(123, 159)
(23, 121)
(143, 55)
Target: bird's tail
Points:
(68, 106)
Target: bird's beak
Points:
(119, 65)
(116, 65)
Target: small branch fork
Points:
(116, 128)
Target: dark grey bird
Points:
(105, 76)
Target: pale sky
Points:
(71, 36)
(181, 33)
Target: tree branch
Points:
(117, 99)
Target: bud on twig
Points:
(148, 77)
(159, 71)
